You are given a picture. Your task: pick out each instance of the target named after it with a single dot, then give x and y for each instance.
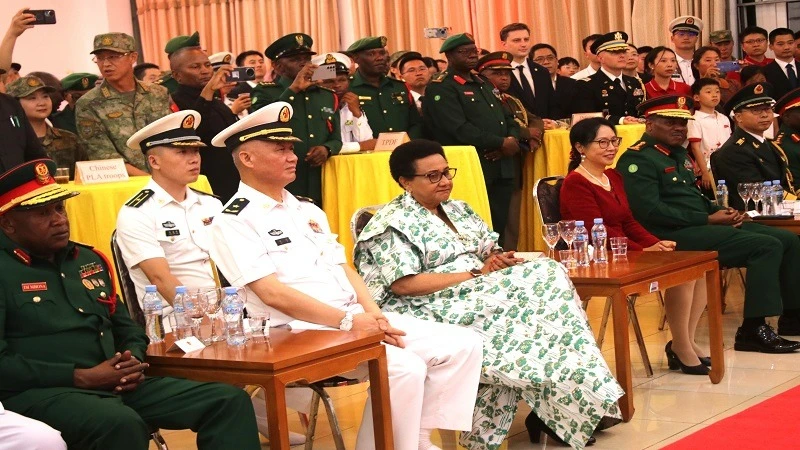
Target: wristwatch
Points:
(475, 273)
(347, 322)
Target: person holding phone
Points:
(706, 63)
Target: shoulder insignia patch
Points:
(637, 146)
(439, 77)
(140, 198)
(585, 79)
(795, 137)
(740, 141)
(662, 149)
(236, 206)
(204, 193)
(305, 199)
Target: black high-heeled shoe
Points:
(705, 360)
(675, 363)
(536, 427)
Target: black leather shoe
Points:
(536, 427)
(705, 360)
(675, 363)
(789, 326)
(763, 339)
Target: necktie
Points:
(526, 84)
(618, 83)
(792, 75)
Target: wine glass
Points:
(566, 228)
(757, 193)
(551, 237)
(213, 308)
(196, 308)
(745, 191)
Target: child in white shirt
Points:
(709, 129)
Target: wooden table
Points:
(646, 272)
(792, 225)
(288, 356)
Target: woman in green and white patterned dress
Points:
(434, 258)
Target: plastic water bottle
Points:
(769, 199)
(777, 191)
(722, 194)
(599, 239)
(232, 308)
(581, 244)
(154, 314)
(182, 303)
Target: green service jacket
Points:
(788, 142)
(315, 120)
(53, 320)
(660, 185)
(388, 107)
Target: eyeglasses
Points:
(416, 69)
(603, 143)
(755, 41)
(542, 59)
(113, 58)
(759, 110)
(436, 176)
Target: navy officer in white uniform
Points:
(281, 249)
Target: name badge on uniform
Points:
(33, 287)
(283, 241)
(171, 233)
(469, 93)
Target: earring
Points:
(583, 157)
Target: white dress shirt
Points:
(783, 65)
(526, 70)
(710, 130)
(685, 65)
(354, 129)
(162, 227)
(585, 73)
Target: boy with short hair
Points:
(709, 129)
(568, 66)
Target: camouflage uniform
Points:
(64, 148)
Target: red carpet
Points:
(770, 424)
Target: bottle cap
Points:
(721, 181)
(768, 183)
(598, 220)
(150, 288)
(776, 181)
(180, 289)
(578, 223)
(230, 290)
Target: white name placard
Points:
(100, 171)
(389, 141)
(187, 345)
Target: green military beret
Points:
(179, 42)
(116, 42)
(25, 86)
(715, 37)
(79, 81)
(367, 43)
(290, 45)
(457, 40)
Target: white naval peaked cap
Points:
(220, 59)
(174, 130)
(331, 58)
(686, 23)
(270, 123)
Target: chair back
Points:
(546, 193)
(125, 282)
(361, 218)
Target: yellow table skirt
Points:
(552, 158)
(93, 214)
(350, 182)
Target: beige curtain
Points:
(234, 25)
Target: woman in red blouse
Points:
(591, 191)
(662, 63)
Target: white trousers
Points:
(433, 381)
(18, 432)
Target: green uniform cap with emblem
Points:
(677, 106)
(756, 94)
(270, 123)
(116, 42)
(342, 61)
(495, 60)
(610, 42)
(25, 86)
(31, 185)
(691, 24)
(79, 81)
(715, 37)
(179, 42)
(220, 59)
(290, 45)
(789, 101)
(174, 130)
(367, 43)
(455, 41)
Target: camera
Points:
(43, 16)
(240, 74)
(437, 33)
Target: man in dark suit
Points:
(610, 91)
(747, 156)
(782, 73)
(565, 88)
(531, 82)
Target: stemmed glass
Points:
(213, 308)
(745, 191)
(566, 228)
(196, 309)
(551, 237)
(757, 193)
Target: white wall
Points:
(64, 48)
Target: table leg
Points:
(275, 390)
(622, 351)
(715, 325)
(381, 407)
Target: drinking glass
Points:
(258, 325)
(619, 247)
(213, 309)
(566, 228)
(551, 237)
(197, 309)
(757, 193)
(567, 259)
(745, 191)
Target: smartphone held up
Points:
(43, 16)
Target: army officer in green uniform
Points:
(462, 109)
(788, 140)
(70, 355)
(387, 102)
(747, 156)
(73, 87)
(659, 182)
(316, 115)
